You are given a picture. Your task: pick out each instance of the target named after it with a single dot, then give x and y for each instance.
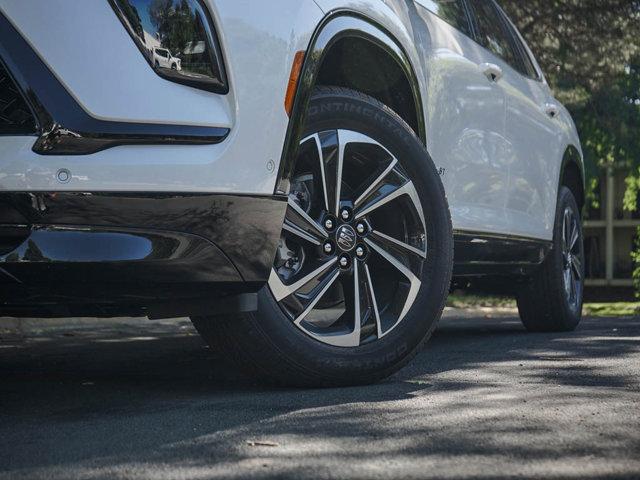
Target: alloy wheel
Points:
(353, 243)
(572, 257)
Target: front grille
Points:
(15, 116)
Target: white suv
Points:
(162, 58)
(315, 178)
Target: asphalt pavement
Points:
(132, 398)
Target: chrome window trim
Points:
(520, 47)
(523, 49)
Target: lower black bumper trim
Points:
(242, 303)
(133, 250)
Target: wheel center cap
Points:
(346, 238)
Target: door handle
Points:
(551, 109)
(492, 71)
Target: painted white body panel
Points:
(468, 138)
(499, 152)
(118, 84)
(86, 47)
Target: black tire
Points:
(545, 304)
(270, 347)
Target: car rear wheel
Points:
(364, 260)
(552, 300)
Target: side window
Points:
(527, 64)
(493, 33)
(451, 11)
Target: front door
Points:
(533, 140)
(465, 115)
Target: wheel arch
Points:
(351, 32)
(572, 174)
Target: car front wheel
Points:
(364, 261)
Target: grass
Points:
(456, 300)
(593, 309)
(613, 309)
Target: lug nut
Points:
(345, 214)
(328, 224)
(328, 248)
(344, 261)
(360, 251)
(361, 228)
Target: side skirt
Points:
(487, 255)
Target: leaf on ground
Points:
(262, 443)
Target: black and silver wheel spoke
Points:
(374, 303)
(355, 224)
(298, 222)
(390, 242)
(350, 335)
(317, 294)
(414, 281)
(387, 194)
(321, 165)
(281, 290)
(577, 267)
(573, 235)
(572, 257)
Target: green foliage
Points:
(590, 53)
(469, 300)
(500, 304)
(133, 17)
(635, 256)
(611, 309)
(630, 200)
(176, 24)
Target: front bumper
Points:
(110, 253)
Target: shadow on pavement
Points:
(136, 399)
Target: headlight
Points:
(154, 24)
